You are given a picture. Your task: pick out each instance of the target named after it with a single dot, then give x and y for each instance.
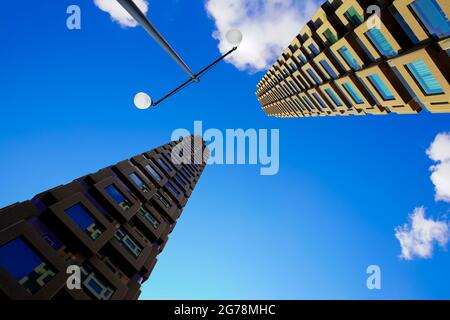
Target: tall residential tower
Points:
(359, 57)
(102, 231)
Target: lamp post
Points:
(142, 100)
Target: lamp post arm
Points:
(216, 62)
(197, 76)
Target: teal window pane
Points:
(352, 92)
(293, 66)
(349, 58)
(300, 104)
(324, 63)
(330, 36)
(294, 85)
(302, 58)
(129, 243)
(308, 102)
(319, 99)
(313, 75)
(380, 42)
(424, 77)
(381, 87)
(353, 17)
(286, 88)
(149, 217)
(333, 97)
(432, 17)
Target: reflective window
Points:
(313, 75)
(174, 190)
(24, 265)
(163, 199)
(352, 92)
(293, 66)
(353, 17)
(153, 172)
(299, 103)
(313, 49)
(182, 170)
(424, 77)
(95, 284)
(330, 36)
(288, 90)
(324, 63)
(319, 99)
(83, 218)
(138, 181)
(310, 104)
(333, 97)
(405, 26)
(128, 242)
(294, 85)
(165, 165)
(149, 217)
(118, 197)
(349, 58)
(302, 58)
(181, 180)
(381, 87)
(379, 41)
(432, 16)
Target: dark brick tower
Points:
(109, 226)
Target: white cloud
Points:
(439, 151)
(268, 26)
(417, 237)
(118, 13)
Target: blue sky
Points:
(345, 183)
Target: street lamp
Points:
(142, 100)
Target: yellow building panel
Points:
(359, 74)
(361, 32)
(434, 65)
(357, 95)
(387, 89)
(338, 47)
(404, 8)
(347, 5)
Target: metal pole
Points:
(197, 76)
(140, 17)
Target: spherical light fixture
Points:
(234, 37)
(142, 101)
